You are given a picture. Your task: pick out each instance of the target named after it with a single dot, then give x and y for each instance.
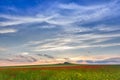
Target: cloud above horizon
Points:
(61, 28)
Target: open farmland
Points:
(61, 72)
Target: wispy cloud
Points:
(20, 59)
(60, 27)
(4, 31)
(46, 55)
(16, 20)
(69, 47)
(78, 13)
(28, 60)
(75, 42)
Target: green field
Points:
(61, 72)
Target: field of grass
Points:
(61, 72)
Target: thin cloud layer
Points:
(59, 28)
(114, 60)
(2, 49)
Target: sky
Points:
(57, 31)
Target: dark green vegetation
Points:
(61, 72)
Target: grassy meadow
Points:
(61, 72)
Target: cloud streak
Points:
(20, 59)
(78, 13)
(74, 42)
(46, 55)
(5, 31)
(113, 60)
(60, 28)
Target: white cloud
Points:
(70, 23)
(91, 13)
(4, 31)
(16, 20)
(80, 14)
(47, 26)
(98, 45)
(2, 49)
(73, 28)
(75, 6)
(24, 53)
(106, 28)
(75, 42)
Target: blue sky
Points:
(53, 31)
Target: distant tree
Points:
(67, 63)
